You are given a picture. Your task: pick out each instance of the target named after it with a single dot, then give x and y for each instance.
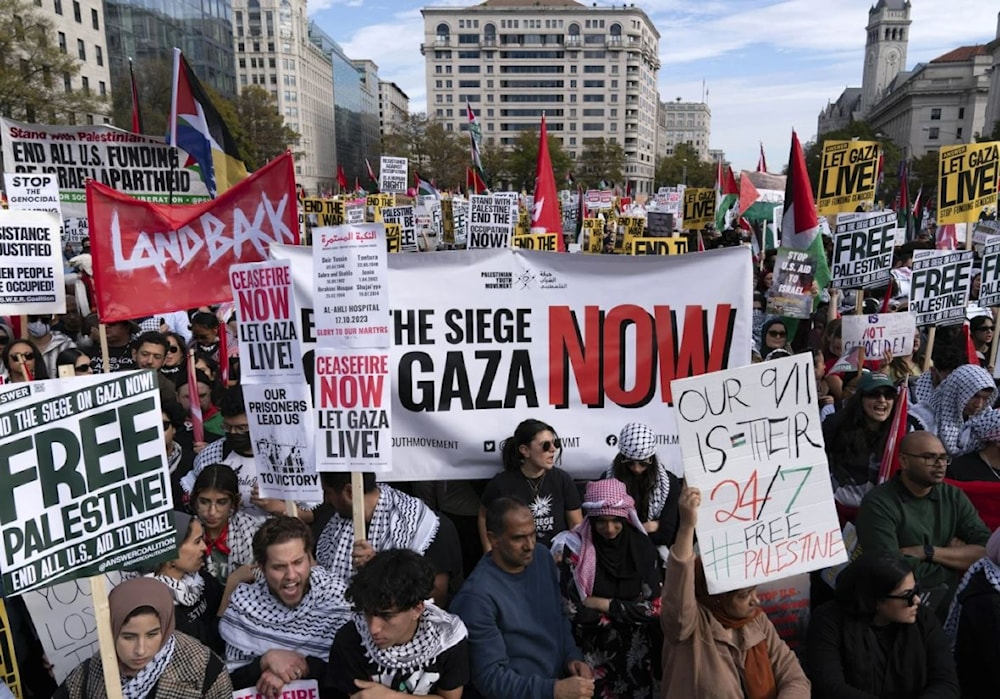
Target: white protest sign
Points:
(299, 689)
(31, 263)
(491, 221)
(265, 305)
(353, 401)
(351, 290)
(86, 485)
(989, 288)
(752, 443)
(939, 290)
(356, 214)
(880, 333)
(32, 193)
(63, 616)
(280, 419)
(403, 215)
(392, 175)
(862, 249)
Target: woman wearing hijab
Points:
(154, 660)
(773, 335)
(982, 464)
(651, 486)
(876, 639)
(973, 625)
(966, 392)
(612, 583)
(719, 646)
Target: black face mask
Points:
(240, 443)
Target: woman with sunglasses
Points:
(773, 335)
(174, 363)
(530, 474)
(654, 489)
(981, 334)
(76, 359)
(876, 639)
(23, 362)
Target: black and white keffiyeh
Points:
(174, 457)
(658, 496)
(942, 413)
(398, 522)
(256, 622)
(923, 388)
(437, 631)
(143, 682)
(992, 572)
(187, 591)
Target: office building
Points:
(78, 29)
(393, 106)
(683, 122)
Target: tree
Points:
(496, 163)
(924, 174)
(154, 78)
(264, 130)
(523, 159)
(602, 159)
(685, 167)
(433, 151)
(34, 71)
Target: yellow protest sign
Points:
(672, 245)
(447, 222)
(523, 225)
(593, 229)
(328, 212)
(393, 237)
(374, 204)
(536, 241)
(699, 207)
(632, 225)
(848, 177)
(967, 181)
(8, 663)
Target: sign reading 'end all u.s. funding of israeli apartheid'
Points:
(85, 480)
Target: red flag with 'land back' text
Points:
(153, 258)
(545, 216)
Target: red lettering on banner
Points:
(264, 304)
(599, 354)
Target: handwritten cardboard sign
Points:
(879, 333)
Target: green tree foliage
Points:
(924, 173)
(601, 159)
(34, 70)
(154, 83)
(522, 160)
(436, 153)
(264, 130)
(862, 131)
(684, 167)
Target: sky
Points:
(766, 66)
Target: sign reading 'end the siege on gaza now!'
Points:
(85, 480)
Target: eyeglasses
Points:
(776, 333)
(81, 368)
(887, 393)
(936, 459)
(985, 329)
(39, 319)
(167, 425)
(173, 349)
(24, 356)
(911, 597)
(235, 429)
(642, 462)
(554, 444)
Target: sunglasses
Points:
(776, 333)
(642, 462)
(173, 349)
(81, 368)
(167, 425)
(911, 597)
(39, 319)
(554, 444)
(985, 329)
(24, 356)
(886, 393)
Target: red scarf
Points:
(219, 543)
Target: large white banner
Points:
(753, 444)
(483, 339)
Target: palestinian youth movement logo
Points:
(525, 280)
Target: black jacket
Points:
(977, 646)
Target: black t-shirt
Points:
(445, 553)
(201, 620)
(971, 467)
(119, 358)
(556, 495)
(348, 661)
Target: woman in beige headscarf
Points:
(154, 660)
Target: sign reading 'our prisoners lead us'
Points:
(862, 249)
(752, 443)
(849, 176)
(86, 485)
(968, 175)
(939, 290)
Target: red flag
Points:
(887, 299)
(153, 258)
(701, 242)
(136, 113)
(545, 216)
(748, 193)
(890, 455)
(197, 420)
(341, 178)
(970, 346)
(762, 161)
(371, 173)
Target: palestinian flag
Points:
(425, 188)
(727, 196)
(372, 180)
(799, 225)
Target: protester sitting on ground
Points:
(197, 594)
(984, 463)
(720, 645)
(397, 640)
(530, 457)
(277, 629)
(174, 366)
(180, 456)
(155, 661)
(77, 360)
(520, 642)
(611, 580)
(919, 516)
(973, 624)
(945, 358)
(228, 531)
(651, 486)
(23, 362)
(394, 520)
(211, 417)
(50, 342)
(876, 639)
(967, 391)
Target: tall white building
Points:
(393, 106)
(591, 69)
(274, 50)
(78, 28)
(992, 118)
(683, 122)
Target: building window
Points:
(76, 12)
(961, 112)
(62, 41)
(99, 54)
(935, 115)
(94, 19)
(67, 82)
(58, 4)
(933, 133)
(85, 82)
(958, 133)
(81, 49)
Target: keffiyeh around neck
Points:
(991, 570)
(437, 631)
(187, 591)
(143, 682)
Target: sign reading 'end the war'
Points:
(85, 480)
(752, 442)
